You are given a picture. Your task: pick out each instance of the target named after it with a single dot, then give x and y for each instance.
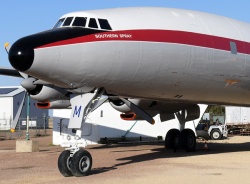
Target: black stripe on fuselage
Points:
(21, 55)
(58, 34)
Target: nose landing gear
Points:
(75, 161)
(75, 164)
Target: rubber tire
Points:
(172, 139)
(188, 140)
(216, 131)
(64, 163)
(76, 164)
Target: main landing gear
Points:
(184, 139)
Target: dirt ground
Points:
(227, 161)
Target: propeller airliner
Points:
(144, 61)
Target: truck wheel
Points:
(215, 135)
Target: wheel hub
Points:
(216, 135)
(84, 164)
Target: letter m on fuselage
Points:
(76, 118)
(77, 111)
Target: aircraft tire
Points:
(188, 140)
(81, 163)
(64, 162)
(216, 135)
(172, 139)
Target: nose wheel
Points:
(77, 165)
(64, 163)
(81, 163)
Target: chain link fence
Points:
(38, 126)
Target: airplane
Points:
(144, 60)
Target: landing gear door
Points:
(79, 104)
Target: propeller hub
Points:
(21, 54)
(28, 84)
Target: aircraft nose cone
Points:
(21, 55)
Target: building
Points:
(10, 101)
(105, 123)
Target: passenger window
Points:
(59, 23)
(93, 23)
(233, 47)
(80, 21)
(67, 22)
(104, 24)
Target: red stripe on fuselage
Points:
(164, 36)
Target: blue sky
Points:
(24, 17)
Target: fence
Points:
(38, 126)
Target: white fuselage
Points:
(154, 53)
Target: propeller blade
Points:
(28, 83)
(10, 72)
(14, 122)
(138, 111)
(7, 47)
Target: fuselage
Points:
(151, 53)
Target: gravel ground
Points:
(226, 161)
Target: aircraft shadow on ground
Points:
(161, 153)
(102, 170)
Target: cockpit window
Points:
(104, 24)
(67, 22)
(59, 23)
(80, 21)
(83, 22)
(93, 23)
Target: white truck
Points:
(216, 131)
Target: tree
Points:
(216, 110)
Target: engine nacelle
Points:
(43, 92)
(58, 104)
(192, 112)
(49, 93)
(120, 106)
(166, 109)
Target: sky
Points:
(25, 17)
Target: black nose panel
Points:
(21, 55)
